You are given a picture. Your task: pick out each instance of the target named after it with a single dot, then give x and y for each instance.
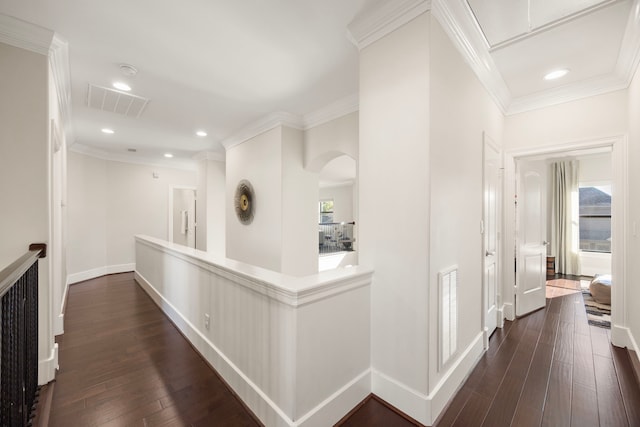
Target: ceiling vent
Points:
(115, 101)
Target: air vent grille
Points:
(115, 101)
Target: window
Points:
(595, 218)
(325, 211)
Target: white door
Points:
(491, 222)
(531, 232)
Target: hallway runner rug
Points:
(597, 314)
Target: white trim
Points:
(170, 214)
(509, 311)
(333, 408)
(98, 272)
(59, 62)
(384, 19)
(335, 110)
(459, 23)
(47, 367)
(289, 290)
(427, 408)
(264, 124)
(571, 92)
(210, 155)
(624, 338)
(629, 54)
(327, 412)
(25, 35)
(180, 164)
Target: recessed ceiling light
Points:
(201, 133)
(556, 74)
(122, 86)
(168, 155)
(107, 130)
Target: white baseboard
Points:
(427, 408)
(501, 317)
(509, 312)
(327, 412)
(100, 271)
(622, 337)
(58, 324)
(334, 408)
(47, 367)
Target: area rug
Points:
(597, 314)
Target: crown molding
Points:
(462, 28)
(262, 125)
(87, 150)
(22, 34)
(629, 56)
(335, 110)
(59, 61)
(571, 92)
(210, 155)
(379, 21)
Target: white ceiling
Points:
(222, 65)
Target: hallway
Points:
(122, 362)
(550, 368)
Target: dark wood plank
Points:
(628, 385)
(122, 362)
(557, 408)
(375, 413)
(474, 411)
(584, 406)
(610, 405)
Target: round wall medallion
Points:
(244, 202)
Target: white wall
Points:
(461, 112)
(25, 156)
(258, 160)
(590, 118)
(283, 236)
(394, 167)
(329, 140)
(110, 202)
(210, 207)
(343, 201)
(633, 193)
(299, 208)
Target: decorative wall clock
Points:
(244, 202)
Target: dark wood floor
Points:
(123, 363)
(550, 368)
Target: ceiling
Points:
(220, 65)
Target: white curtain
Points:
(565, 232)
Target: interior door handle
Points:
(490, 253)
(545, 243)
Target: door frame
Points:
(619, 331)
(487, 141)
(170, 214)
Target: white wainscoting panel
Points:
(295, 350)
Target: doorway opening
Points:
(568, 251)
(182, 216)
